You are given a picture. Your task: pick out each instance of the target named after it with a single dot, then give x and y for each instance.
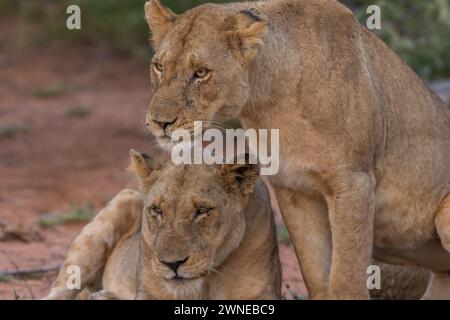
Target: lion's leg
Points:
(439, 287)
(406, 282)
(90, 250)
(307, 221)
(351, 211)
(103, 295)
(442, 222)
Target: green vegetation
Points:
(283, 235)
(80, 214)
(51, 90)
(8, 131)
(78, 111)
(118, 24)
(4, 278)
(417, 30)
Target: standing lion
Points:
(364, 144)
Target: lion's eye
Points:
(155, 211)
(158, 67)
(201, 73)
(202, 211)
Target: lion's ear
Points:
(245, 32)
(142, 165)
(159, 19)
(240, 177)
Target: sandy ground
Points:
(67, 121)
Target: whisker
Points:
(215, 270)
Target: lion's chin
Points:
(184, 284)
(165, 143)
(185, 288)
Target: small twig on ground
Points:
(29, 273)
(18, 270)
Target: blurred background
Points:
(417, 30)
(72, 103)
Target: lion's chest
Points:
(298, 176)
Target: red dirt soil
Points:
(55, 157)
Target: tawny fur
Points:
(230, 252)
(401, 282)
(364, 144)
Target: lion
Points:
(400, 282)
(191, 232)
(364, 144)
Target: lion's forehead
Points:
(195, 49)
(193, 31)
(188, 185)
(187, 197)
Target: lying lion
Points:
(192, 232)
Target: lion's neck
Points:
(251, 265)
(269, 72)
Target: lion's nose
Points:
(164, 124)
(174, 265)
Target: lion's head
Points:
(193, 215)
(199, 69)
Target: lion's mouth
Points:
(181, 279)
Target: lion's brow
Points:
(251, 15)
